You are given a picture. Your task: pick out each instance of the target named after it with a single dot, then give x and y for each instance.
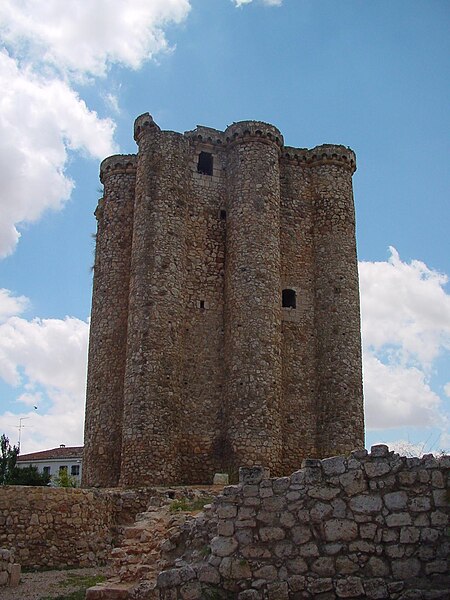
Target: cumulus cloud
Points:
(45, 361)
(41, 118)
(398, 396)
(11, 305)
(47, 45)
(83, 37)
(405, 306)
(405, 326)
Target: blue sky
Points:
(370, 75)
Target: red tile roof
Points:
(66, 452)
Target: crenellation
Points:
(226, 304)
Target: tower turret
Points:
(155, 327)
(107, 348)
(252, 294)
(337, 316)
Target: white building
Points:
(56, 460)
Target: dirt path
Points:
(50, 584)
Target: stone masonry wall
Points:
(362, 526)
(63, 527)
(9, 570)
(195, 365)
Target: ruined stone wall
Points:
(362, 526)
(195, 366)
(63, 527)
(9, 570)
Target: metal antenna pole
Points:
(20, 428)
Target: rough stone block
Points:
(223, 546)
(379, 450)
(340, 529)
(221, 479)
(351, 587)
(334, 465)
(253, 475)
(405, 569)
(15, 574)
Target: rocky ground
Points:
(44, 585)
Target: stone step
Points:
(110, 591)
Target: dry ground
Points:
(44, 585)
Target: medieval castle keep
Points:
(225, 323)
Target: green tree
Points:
(64, 479)
(8, 459)
(28, 476)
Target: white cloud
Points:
(266, 2)
(84, 37)
(447, 389)
(397, 396)
(406, 326)
(404, 306)
(11, 305)
(40, 119)
(46, 44)
(45, 360)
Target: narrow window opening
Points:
(205, 163)
(289, 299)
(223, 215)
(202, 304)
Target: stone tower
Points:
(225, 326)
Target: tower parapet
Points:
(253, 131)
(118, 164)
(325, 154)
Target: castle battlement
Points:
(225, 326)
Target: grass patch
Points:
(186, 505)
(81, 582)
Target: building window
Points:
(223, 215)
(289, 299)
(202, 304)
(46, 470)
(205, 163)
(75, 470)
(62, 469)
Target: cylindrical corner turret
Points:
(252, 295)
(155, 325)
(109, 316)
(142, 125)
(337, 316)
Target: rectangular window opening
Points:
(205, 163)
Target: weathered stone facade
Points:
(65, 527)
(362, 526)
(225, 325)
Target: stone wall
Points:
(9, 570)
(62, 527)
(362, 526)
